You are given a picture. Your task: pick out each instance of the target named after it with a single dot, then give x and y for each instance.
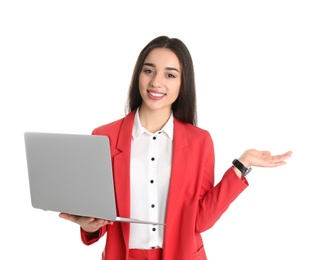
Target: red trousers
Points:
(151, 254)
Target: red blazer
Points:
(194, 203)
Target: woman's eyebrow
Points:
(149, 64)
(153, 65)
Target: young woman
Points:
(164, 164)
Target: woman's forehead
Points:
(163, 57)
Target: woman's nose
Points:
(157, 81)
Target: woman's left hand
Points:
(258, 158)
(254, 157)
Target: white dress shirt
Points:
(150, 171)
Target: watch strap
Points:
(241, 167)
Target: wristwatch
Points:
(244, 170)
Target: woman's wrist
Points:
(90, 232)
(238, 172)
(244, 161)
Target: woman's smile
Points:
(154, 95)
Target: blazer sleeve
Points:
(91, 238)
(214, 200)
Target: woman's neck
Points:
(154, 120)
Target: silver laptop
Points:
(72, 173)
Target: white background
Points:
(65, 66)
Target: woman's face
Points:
(160, 79)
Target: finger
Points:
(67, 216)
(275, 161)
(288, 154)
(85, 221)
(104, 221)
(282, 157)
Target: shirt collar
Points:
(138, 129)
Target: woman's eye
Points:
(170, 76)
(148, 71)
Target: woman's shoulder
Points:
(192, 129)
(109, 127)
(193, 132)
(106, 127)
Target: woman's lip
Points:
(155, 95)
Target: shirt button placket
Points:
(153, 181)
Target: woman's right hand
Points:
(88, 224)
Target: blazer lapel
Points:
(121, 166)
(180, 159)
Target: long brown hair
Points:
(184, 108)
